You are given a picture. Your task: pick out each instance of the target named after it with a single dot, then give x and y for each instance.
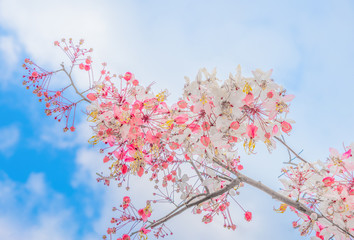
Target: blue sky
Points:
(47, 178)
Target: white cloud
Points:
(33, 210)
(9, 136)
(9, 58)
(9, 50)
(36, 184)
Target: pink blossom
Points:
(275, 129)
(105, 159)
(128, 76)
(347, 154)
(205, 126)
(91, 96)
(125, 237)
(182, 104)
(34, 74)
(124, 169)
(181, 119)
(207, 219)
(194, 127)
(205, 140)
(235, 125)
(270, 94)
(144, 230)
(248, 216)
(141, 171)
(285, 127)
(328, 181)
(252, 131)
(249, 99)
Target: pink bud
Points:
(286, 127)
(235, 125)
(205, 126)
(270, 94)
(181, 119)
(205, 140)
(248, 216)
(128, 76)
(182, 104)
(91, 96)
(105, 159)
(124, 169)
(34, 74)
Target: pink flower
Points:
(128, 76)
(347, 154)
(275, 129)
(195, 128)
(105, 159)
(141, 171)
(235, 125)
(91, 96)
(285, 127)
(144, 213)
(126, 199)
(351, 192)
(205, 126)
(207, 219)
(34, 74)
(248, 216)
(126, 202)
(182, 104)
(328, 181)
(249, 99)
(125, 237)
(135, 82)
(205, 140)
(252, 131)
(270, 94)
(181, 119)
(144, 230)
(124, 169)
(222, 207)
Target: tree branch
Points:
(72, 83)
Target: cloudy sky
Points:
(47, 178)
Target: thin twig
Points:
(74, 86)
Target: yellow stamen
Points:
(282, 208)
(247, 88)
(204, 99)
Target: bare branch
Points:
(73, 84)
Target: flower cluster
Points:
(189, 149)
(326, 188)
(221, 114)
(131, 218)
(56, 102)
(143, 134)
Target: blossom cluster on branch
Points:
(189, 149)
(327, 188)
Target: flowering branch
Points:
(143, 135)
